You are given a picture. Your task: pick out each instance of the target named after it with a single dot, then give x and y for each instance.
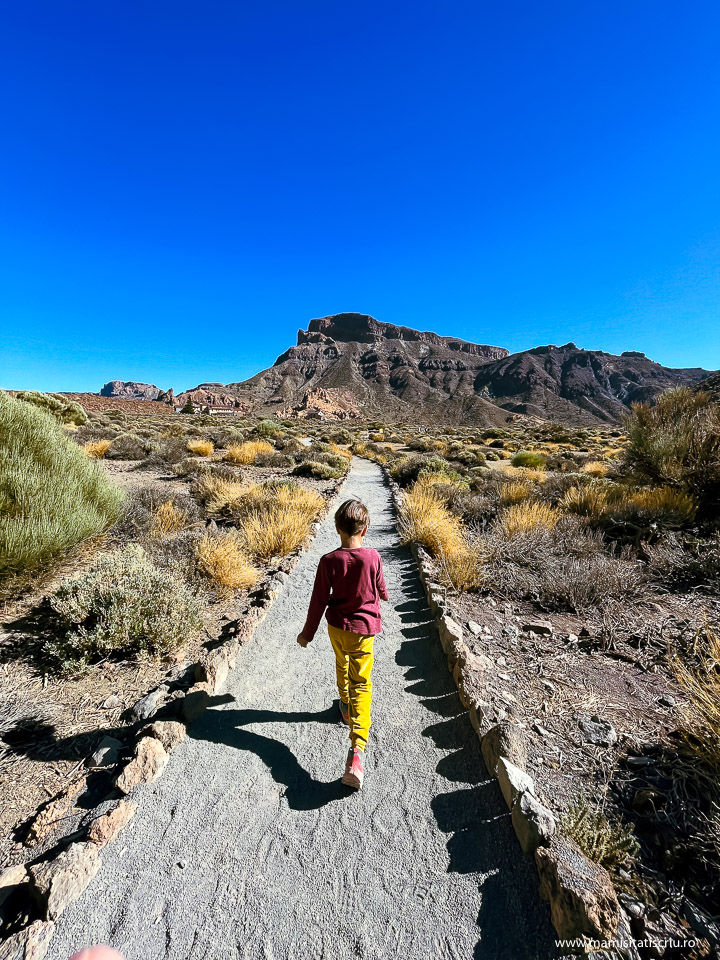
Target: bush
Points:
(128, 446)
(527, 458)
(268, 428)
(320, 471)
(222, 559)
(609, 843)
(522, 517)
(274, 519)
(52, 495)
(167, 519)
(425, 519)
(614, 506)
(153, 512)
(248, 452)
(200, 448)
(676, 444)
(124, 605)
(97, 449)
(65, 411)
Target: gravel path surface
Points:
(250, 847)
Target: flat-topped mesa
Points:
(361, 328)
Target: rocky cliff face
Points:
(130, 390)
(350, 365)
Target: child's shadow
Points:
(302, 792)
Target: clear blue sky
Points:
(185, 184)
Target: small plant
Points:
(268, 428)
(222, 559)
(248, 452)
(320, 471)
(200, 448)
(52, 495)
(700, 724)
(608, 843)
(522, 517)
(515, 492)
(97, 448)
(124, 605)
(275, 520)
(528, 458)
(166, 520)
(65, 411)
(596, 468)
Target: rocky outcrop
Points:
(130, 390)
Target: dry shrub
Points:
(596, 468)
(522, 517)
(610, 843)
(200, 448)
(340, 451)
(219, 494)
(167, 519)
(222, 559)
(274, 519)
(97, 449)
(605, 504)
(514, 492)
(248, 452)
(425, 519)
(700, 716)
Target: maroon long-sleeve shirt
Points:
(350, 583)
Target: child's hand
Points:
(302, 640)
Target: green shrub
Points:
(321, 471)
(66, 411)
(527, 458)
(268, 428)
(676, 443)
(128, 447)
(52, 495)
(124, 605)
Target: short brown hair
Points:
(352, 517)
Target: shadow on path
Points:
(302, 792)
(512, 921)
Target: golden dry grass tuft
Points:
(616, 500)
(223, 560)
(247, 453)
(218, 493)
(278, 519)
(521, 517)
(596, 468)
(700, 716)
(97, 448)
(166, 520)
(514, 492)
(425, 519)
(200, 448)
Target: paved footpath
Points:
(250, 847)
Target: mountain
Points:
(130, 390)
(400, 373)
(350, 364)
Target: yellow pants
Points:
(353, 661)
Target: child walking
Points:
(350, 583)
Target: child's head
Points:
(352, 518)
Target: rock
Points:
(195, 702)
(111, 702)
(214, 670)
(48, 818)
(169, 732)
(484, 715)
(702, 924)
(107, 753)
(648, 799)
(105, 829)
(667, 701)
(147, 765)
(32, 943)
(597, 731)
(503, 740)
(572, 639)
(10, 879)
(60, 882)
(474, 628)
(513, 781)
(580, 892)
(640, 761)
(541, 732)
(533, 823)
(450, 635)
(542, 627)
(146, 706)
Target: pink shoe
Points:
(345, 712)
(354, 772)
